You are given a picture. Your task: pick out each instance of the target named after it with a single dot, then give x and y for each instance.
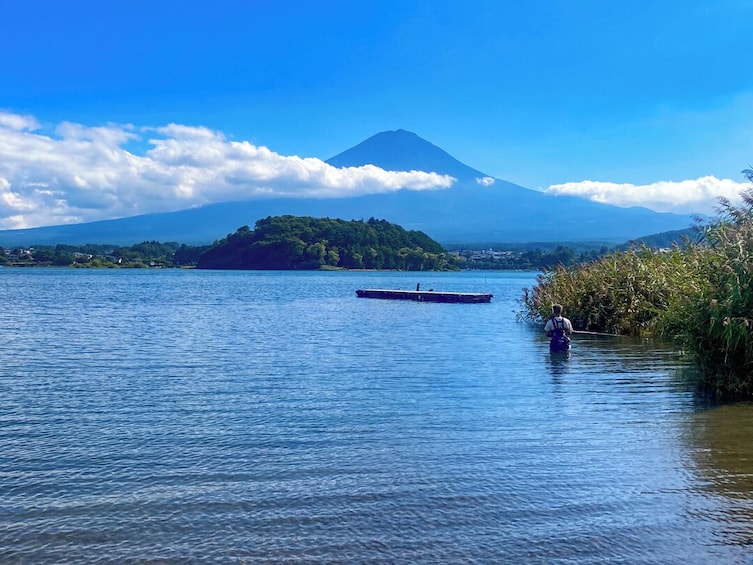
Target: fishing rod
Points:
(602, 334)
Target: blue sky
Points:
(627, 102)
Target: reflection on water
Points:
(720, 444)
(560, 363)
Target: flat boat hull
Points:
(426, 295)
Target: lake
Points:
(182, 416)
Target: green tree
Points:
(291, 242)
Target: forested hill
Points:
(295, 242)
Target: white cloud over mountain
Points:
(79, 173)
(685, 197)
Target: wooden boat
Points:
(426, 295)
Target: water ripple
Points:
(180, 417)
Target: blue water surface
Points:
(178, 416)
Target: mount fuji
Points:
(476, 208)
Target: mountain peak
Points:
(465, 213)
(403, 150)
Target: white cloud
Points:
(485, 181)
(83, 173)
(697, 196)
(18, 122)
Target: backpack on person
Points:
(560, 341)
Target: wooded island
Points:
(294, 242)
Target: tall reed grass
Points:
(627, 293)
(718, 327)
(700, 294)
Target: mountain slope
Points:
(402, 150)
(468, 212)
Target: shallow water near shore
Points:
(249, 417)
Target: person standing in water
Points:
(558, 328)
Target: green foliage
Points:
(526, 258)
(294, 242)
(188, 255)
(560, 256)
(145, 254)
(700, 294)
(718, 324)
(628, 292)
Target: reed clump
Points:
(628, 293)
(700, 294)
(718, 325)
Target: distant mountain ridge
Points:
(467, 212)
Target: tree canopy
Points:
(300, 242)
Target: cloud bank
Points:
(683, 197)
(79, 173)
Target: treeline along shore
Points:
(148, 254)
(305, 243)
(699, 294)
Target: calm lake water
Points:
(252, 417)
